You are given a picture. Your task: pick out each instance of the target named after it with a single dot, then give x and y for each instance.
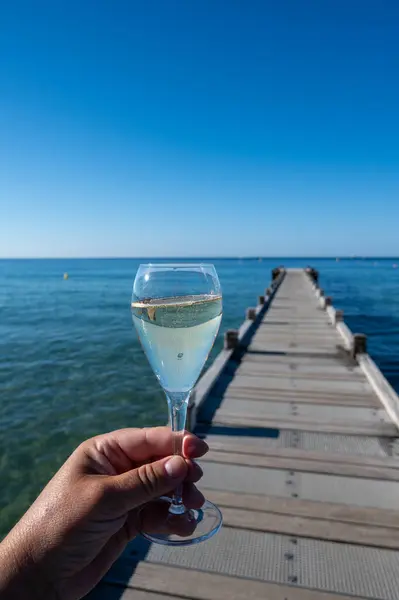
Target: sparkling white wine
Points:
(177, 335)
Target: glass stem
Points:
(177, 402)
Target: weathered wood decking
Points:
(303, 463)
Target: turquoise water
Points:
(71, 365)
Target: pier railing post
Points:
(275, 273)
(313, 274)
(231, 339)
(251, 314)
(359, 345)
(339, 316)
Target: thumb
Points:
(150, 480)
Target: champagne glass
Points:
(176, 310)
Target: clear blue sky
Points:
(199, 128)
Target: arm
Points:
(19, 576)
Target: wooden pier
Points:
(304, 464)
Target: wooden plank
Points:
(303, 398)
(317, 317)
(324, 338)
(319, 340)
(227, 445)
(292, 351)
(340, 360)
(333, 394)
(200, 585)
(287, 312)
(321, 333)
(371, 493)
(378, 429)
(318, 413)
(312, 441)
(291, 348)
(310, 527)
(323, 413)
(301, 365)
(319, 487)
(276, 323)
(282, 371)
(302, 464)
(317, 320)
(329, 363)
(306, 508)
(266, 381)
(292, 384)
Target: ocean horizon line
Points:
(200, 258)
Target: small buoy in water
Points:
(66, 275)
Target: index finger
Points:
(141, 445)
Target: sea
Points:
(71, 365)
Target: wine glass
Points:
(176, 310)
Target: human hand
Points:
(84, 517)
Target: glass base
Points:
(159, 525)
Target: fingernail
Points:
(175, 467)
(196, 445)
(204, 444)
